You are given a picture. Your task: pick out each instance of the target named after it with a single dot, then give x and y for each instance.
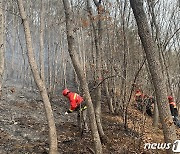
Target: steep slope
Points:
(24, 129)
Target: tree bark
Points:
(109, 99)
(156, 115)
(1, 45)
(41, 56)
(160, 47)
(38, 80)
(81, 75)
(156, 73)
(98, 77)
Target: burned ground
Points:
(23, 129)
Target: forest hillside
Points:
(24, 129)
(118, 61)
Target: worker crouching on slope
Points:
(174, 111)
(76, 104)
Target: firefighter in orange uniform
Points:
(174, 111)
(76, 104)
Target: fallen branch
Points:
(91, 150)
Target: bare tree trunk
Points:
(23, 58)
(41, 56)
(155, 115)
(49, 20)
(64, 70)
(55, 68)
(109, 99)
(159, 44)
(49, 69)
(81, 75)
(39, 81)
(13, 47)
(98, 46)
(1, 45)
(155, 70)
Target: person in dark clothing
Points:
(149, 102)
(174, 111)
(139, 100)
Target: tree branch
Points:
(112, 76)
(97, 3)
(166, 43)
